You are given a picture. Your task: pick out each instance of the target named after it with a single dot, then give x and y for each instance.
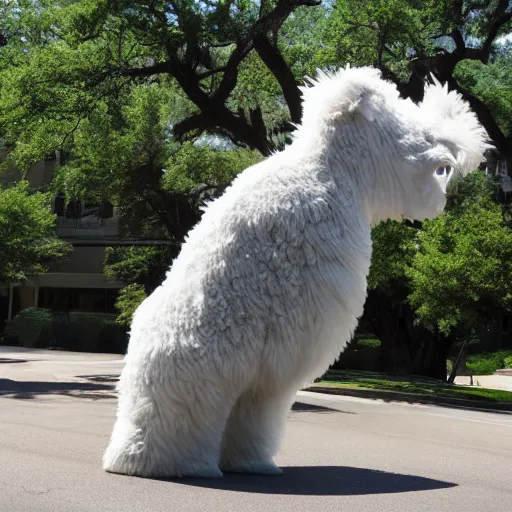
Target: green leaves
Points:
(28, 241)
(456, 270)
(193, 165)
(462, 273)
(130, 297)
(491, 83)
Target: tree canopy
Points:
(231, 67)
(28, 241)
(461, 276)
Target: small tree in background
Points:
(461, 276)
(28, 240)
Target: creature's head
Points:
(403, 156)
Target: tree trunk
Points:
(405, 347)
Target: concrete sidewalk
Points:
(496, 381)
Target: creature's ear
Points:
(335, 94)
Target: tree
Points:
(409, 39)
(92, 48)
(406, 347)
(28, 241)
(461, 276)
(123, 91)
(435, 284)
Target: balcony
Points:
(78, 220)
(90, 227)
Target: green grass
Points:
(369, 342)
(419, 386)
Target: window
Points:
(91, 300)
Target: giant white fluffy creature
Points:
(269, 285)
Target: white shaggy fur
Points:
(269, 285)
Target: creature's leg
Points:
(169, 432)
(255, 430)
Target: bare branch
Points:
(272, 58)
(499, 17)
(210, 72)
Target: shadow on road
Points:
(104, 377)
(303, 407)
(8, 360)
(322, 481)
(32, 389)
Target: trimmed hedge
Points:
(81, 332)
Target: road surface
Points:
(340, 454)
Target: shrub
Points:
(508, 362)
(128, 301)
(488, 363)
(31, 328)
(82, 332)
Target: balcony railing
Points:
(87, 227)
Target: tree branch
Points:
(270, 22)
(195, 122)
(272, 58)
(499, 17)
(210, 72)
(502, 143)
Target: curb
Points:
(413, 398)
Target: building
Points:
(76, 283)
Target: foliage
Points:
(394, 246)
(144, 265)
(372, 343)
(461, 275)
(130, 297)
(28, 242)
(385, 32)
(44, 328)
(124, 153)
(492, 84)
(222, 59)
(507, 362)
(488, 363)
(31, 328)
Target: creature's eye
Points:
(444, 170)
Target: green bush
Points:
(369, 342)
(82, 332)
(508, 362)
(130, 297)
(31, 328)
(488, 363)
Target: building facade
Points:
(76, 283)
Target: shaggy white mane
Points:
(340, 95)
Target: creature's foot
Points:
(197, 471)
(258, 467)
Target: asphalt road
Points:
(340, 454)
